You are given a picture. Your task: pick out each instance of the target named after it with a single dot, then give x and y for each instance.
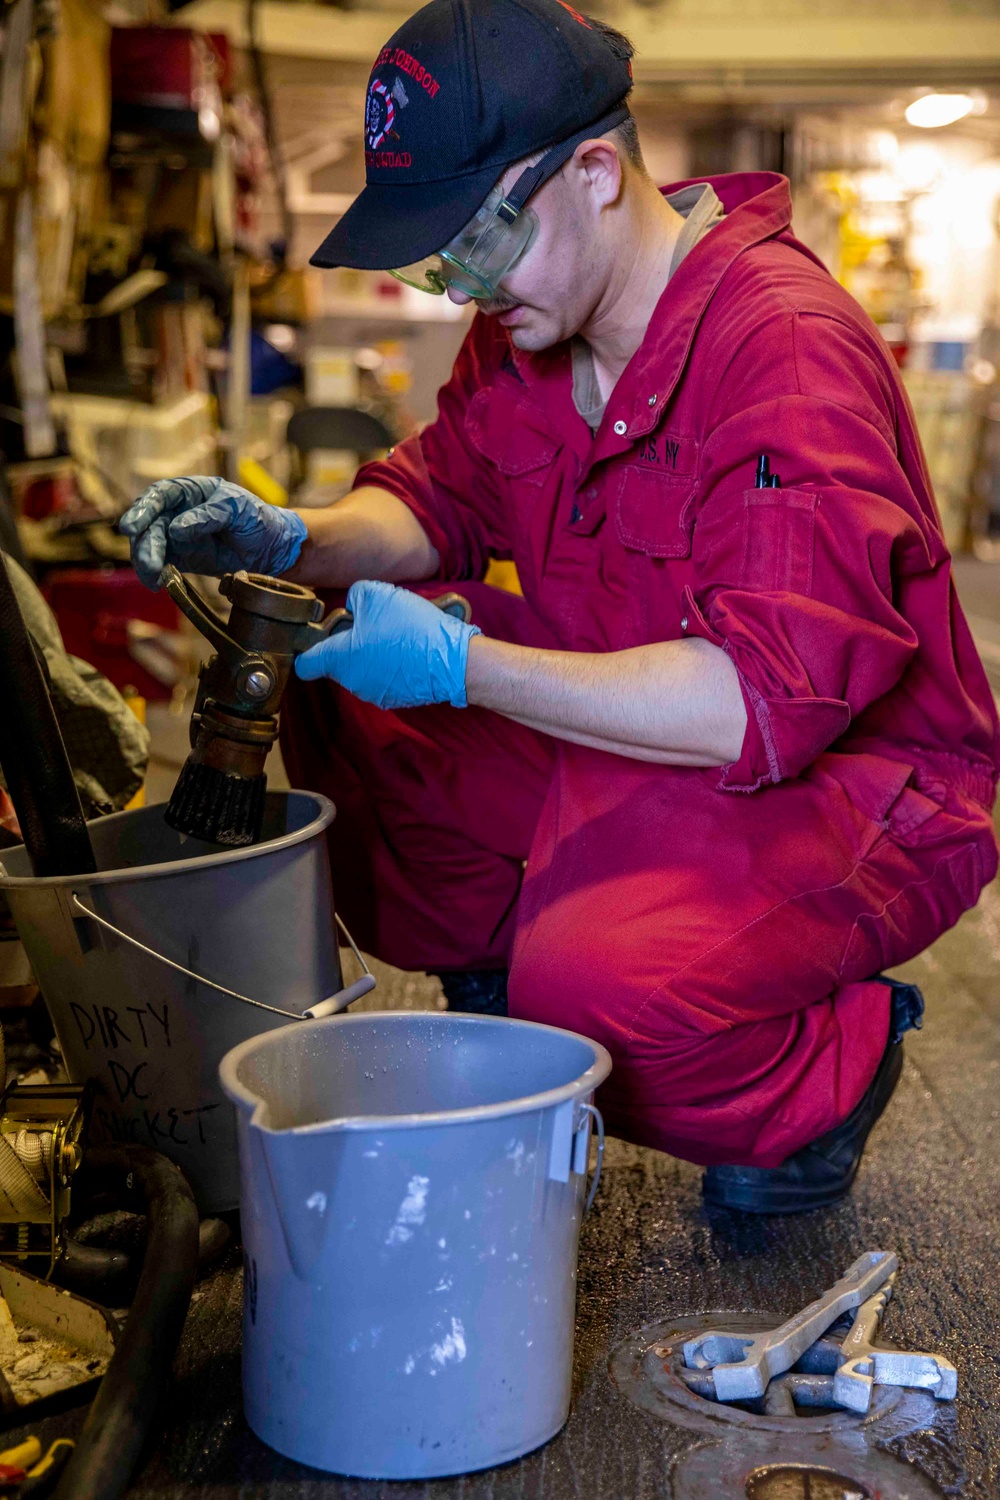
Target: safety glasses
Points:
(500, 232)
(480, 256)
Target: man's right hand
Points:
(207, 525)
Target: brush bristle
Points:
(215, 806)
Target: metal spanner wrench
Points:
(864, 1366)
(742, 1364)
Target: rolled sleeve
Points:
(786, 730)
(799, 585)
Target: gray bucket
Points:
(412, 1188)
(141, 966)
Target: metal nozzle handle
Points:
(457, 605)
(199, 612)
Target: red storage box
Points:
(167, 67)
(111, 620)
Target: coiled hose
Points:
(34, 1148)
(136, 1381)
(23, 1163)
(19, 1192)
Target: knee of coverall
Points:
(711, 1093)
(585, 983)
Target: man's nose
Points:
(459, 298)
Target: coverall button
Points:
(684, 623)
(653, 400)
(621, 428)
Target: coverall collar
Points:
(758, 206)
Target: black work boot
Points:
(824, 1170)
(477, 992)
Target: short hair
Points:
(626, 134)
(617, 41)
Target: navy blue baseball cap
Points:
(463, 89)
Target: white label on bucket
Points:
(561, 1153)
(580, 1143)
(412, 1211)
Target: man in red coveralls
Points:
(733, 752)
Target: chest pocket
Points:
(654, 511)
(505, 430)
(778, 540)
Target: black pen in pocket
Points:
(765, 479)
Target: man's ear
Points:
(598, 169)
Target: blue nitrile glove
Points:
(401, 652)
(207, 525)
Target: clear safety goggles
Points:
(501, 231)
(480, 256)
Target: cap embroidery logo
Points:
(382, 110)
(380, 114)
(398, 57)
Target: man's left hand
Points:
(401, 651)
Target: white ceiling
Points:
(718, 47)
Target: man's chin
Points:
(532, 336)
(527, 327)
(532, 341)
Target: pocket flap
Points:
(502, 428)
(655, 511)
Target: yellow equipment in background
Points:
(41, 1146)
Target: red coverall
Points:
(716, 929)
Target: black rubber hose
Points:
(136, 1381)
(35, 765)
(111, 1276)
(106, 1276)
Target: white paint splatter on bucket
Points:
(412, 1211)
(452, 1346)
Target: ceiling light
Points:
(934, 110)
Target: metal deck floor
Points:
(929, 1187)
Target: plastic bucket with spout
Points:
(412, 1187)
(124, 958)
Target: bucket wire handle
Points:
(327, 1007)
(343, 998)
(595, 1113)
